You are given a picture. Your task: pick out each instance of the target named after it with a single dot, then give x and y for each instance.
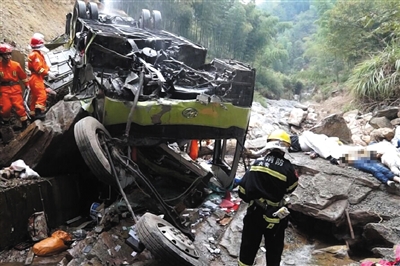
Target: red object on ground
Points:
(226, 202)
(194, 149)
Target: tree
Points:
(355, 29)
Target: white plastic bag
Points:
(20, 166)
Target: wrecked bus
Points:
(149, 95)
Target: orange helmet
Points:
(5, 48)
(37, 41)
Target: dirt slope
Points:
(19, 19)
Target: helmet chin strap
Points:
(276, 145)
(42, 49)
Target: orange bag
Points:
(194, 149)
(53, 244)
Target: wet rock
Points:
(339, 251)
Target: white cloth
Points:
(381, 147)
(392, 160)
(390, 156)
(396, 136)
(322, 144)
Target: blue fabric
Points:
(398, 143)
(378, 170)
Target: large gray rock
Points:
(380, 234)
(380, 122)
(380, 134)
(334, 126)
(390, 113)
(296, 117)
(325, 191)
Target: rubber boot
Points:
(39, 114)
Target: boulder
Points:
(334, 126)
(380, 234)
(325, 191)
(380, 122)
(381, 134)
(296, 117)
(395, 122)
(390, 113)
(385, 253)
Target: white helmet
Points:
(37, 42)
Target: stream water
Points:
(300, 251)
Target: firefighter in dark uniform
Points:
(264, 187)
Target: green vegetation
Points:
(296, 46)
(378, 78)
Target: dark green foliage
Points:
(269, 84)
(378, 78)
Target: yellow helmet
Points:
(280, 135)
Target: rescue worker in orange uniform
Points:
(39, 69)
(264, 187)
(11, 93)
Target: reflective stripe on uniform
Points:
(242, 190)
(269, 202)
(292, 186)
(270, 226)
(242, 264)
(271, 220)
(41, 70)
(268, 171)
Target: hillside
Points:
(20, 19)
